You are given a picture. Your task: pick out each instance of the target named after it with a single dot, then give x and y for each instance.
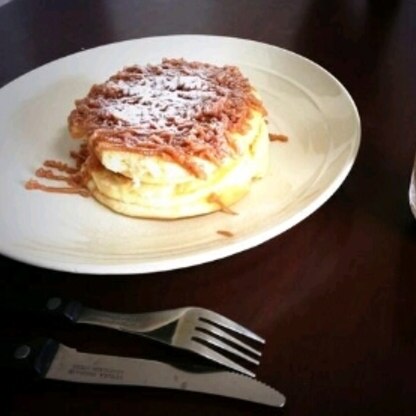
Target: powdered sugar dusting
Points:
(159, 101)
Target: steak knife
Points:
(52, 360)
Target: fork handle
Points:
(61, 309)
(55, 307)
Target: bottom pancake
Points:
(227, 185)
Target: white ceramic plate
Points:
(77, 234)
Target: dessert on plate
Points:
(171, 140)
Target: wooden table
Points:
(335, 296)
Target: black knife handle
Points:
(40, 306)
(30, 358)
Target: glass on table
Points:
(412, 189)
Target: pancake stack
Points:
(172, 140)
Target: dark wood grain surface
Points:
(335, 296)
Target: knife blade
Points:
(56, 361)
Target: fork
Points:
(190, 328)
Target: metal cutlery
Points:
(199, 330)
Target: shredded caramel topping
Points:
(175, 110)
(273, 137)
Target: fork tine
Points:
(211, 354)
(224, 335)
(220, 344)
(217, 319)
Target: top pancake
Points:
(189, 115)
